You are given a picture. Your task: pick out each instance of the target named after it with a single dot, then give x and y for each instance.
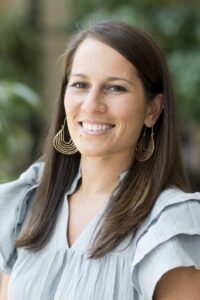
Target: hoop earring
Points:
(143, 151)
(67, 148)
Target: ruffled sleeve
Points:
(168, 239)
(14, 201)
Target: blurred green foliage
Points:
(175, 25)
(19, 50)
(20, 104)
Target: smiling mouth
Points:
(96, 127)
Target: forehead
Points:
(93, 54)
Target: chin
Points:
(93, 152)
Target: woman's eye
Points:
(117, 88)
(79, 85)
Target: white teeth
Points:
(96, 127)
(89, 126)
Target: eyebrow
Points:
(112, 78)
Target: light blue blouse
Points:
(168, 238)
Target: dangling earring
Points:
(61, 145)
(143, 151)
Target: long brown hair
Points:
(139, 190)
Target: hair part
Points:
(137, 193)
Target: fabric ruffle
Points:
(168, 239)
(15, 197)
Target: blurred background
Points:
(33, 36)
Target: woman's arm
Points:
(179, 284)
(4, 287)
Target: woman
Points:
(106, 214)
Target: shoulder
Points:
(172, 204)
(15, 197)
(172, 198)
(28, 178)
(168, 238)
(33, 174)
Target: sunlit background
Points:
(33, 36)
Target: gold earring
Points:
(143, 151)
(67, 148)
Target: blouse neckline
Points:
(83, 240)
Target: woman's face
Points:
(105, 102)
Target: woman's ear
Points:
(154, 110)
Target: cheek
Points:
(68, 103)
(133, 113)
(65, 102)
(133, 118)
(72, 100)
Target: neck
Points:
(101, 175)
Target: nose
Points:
(94, 102)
